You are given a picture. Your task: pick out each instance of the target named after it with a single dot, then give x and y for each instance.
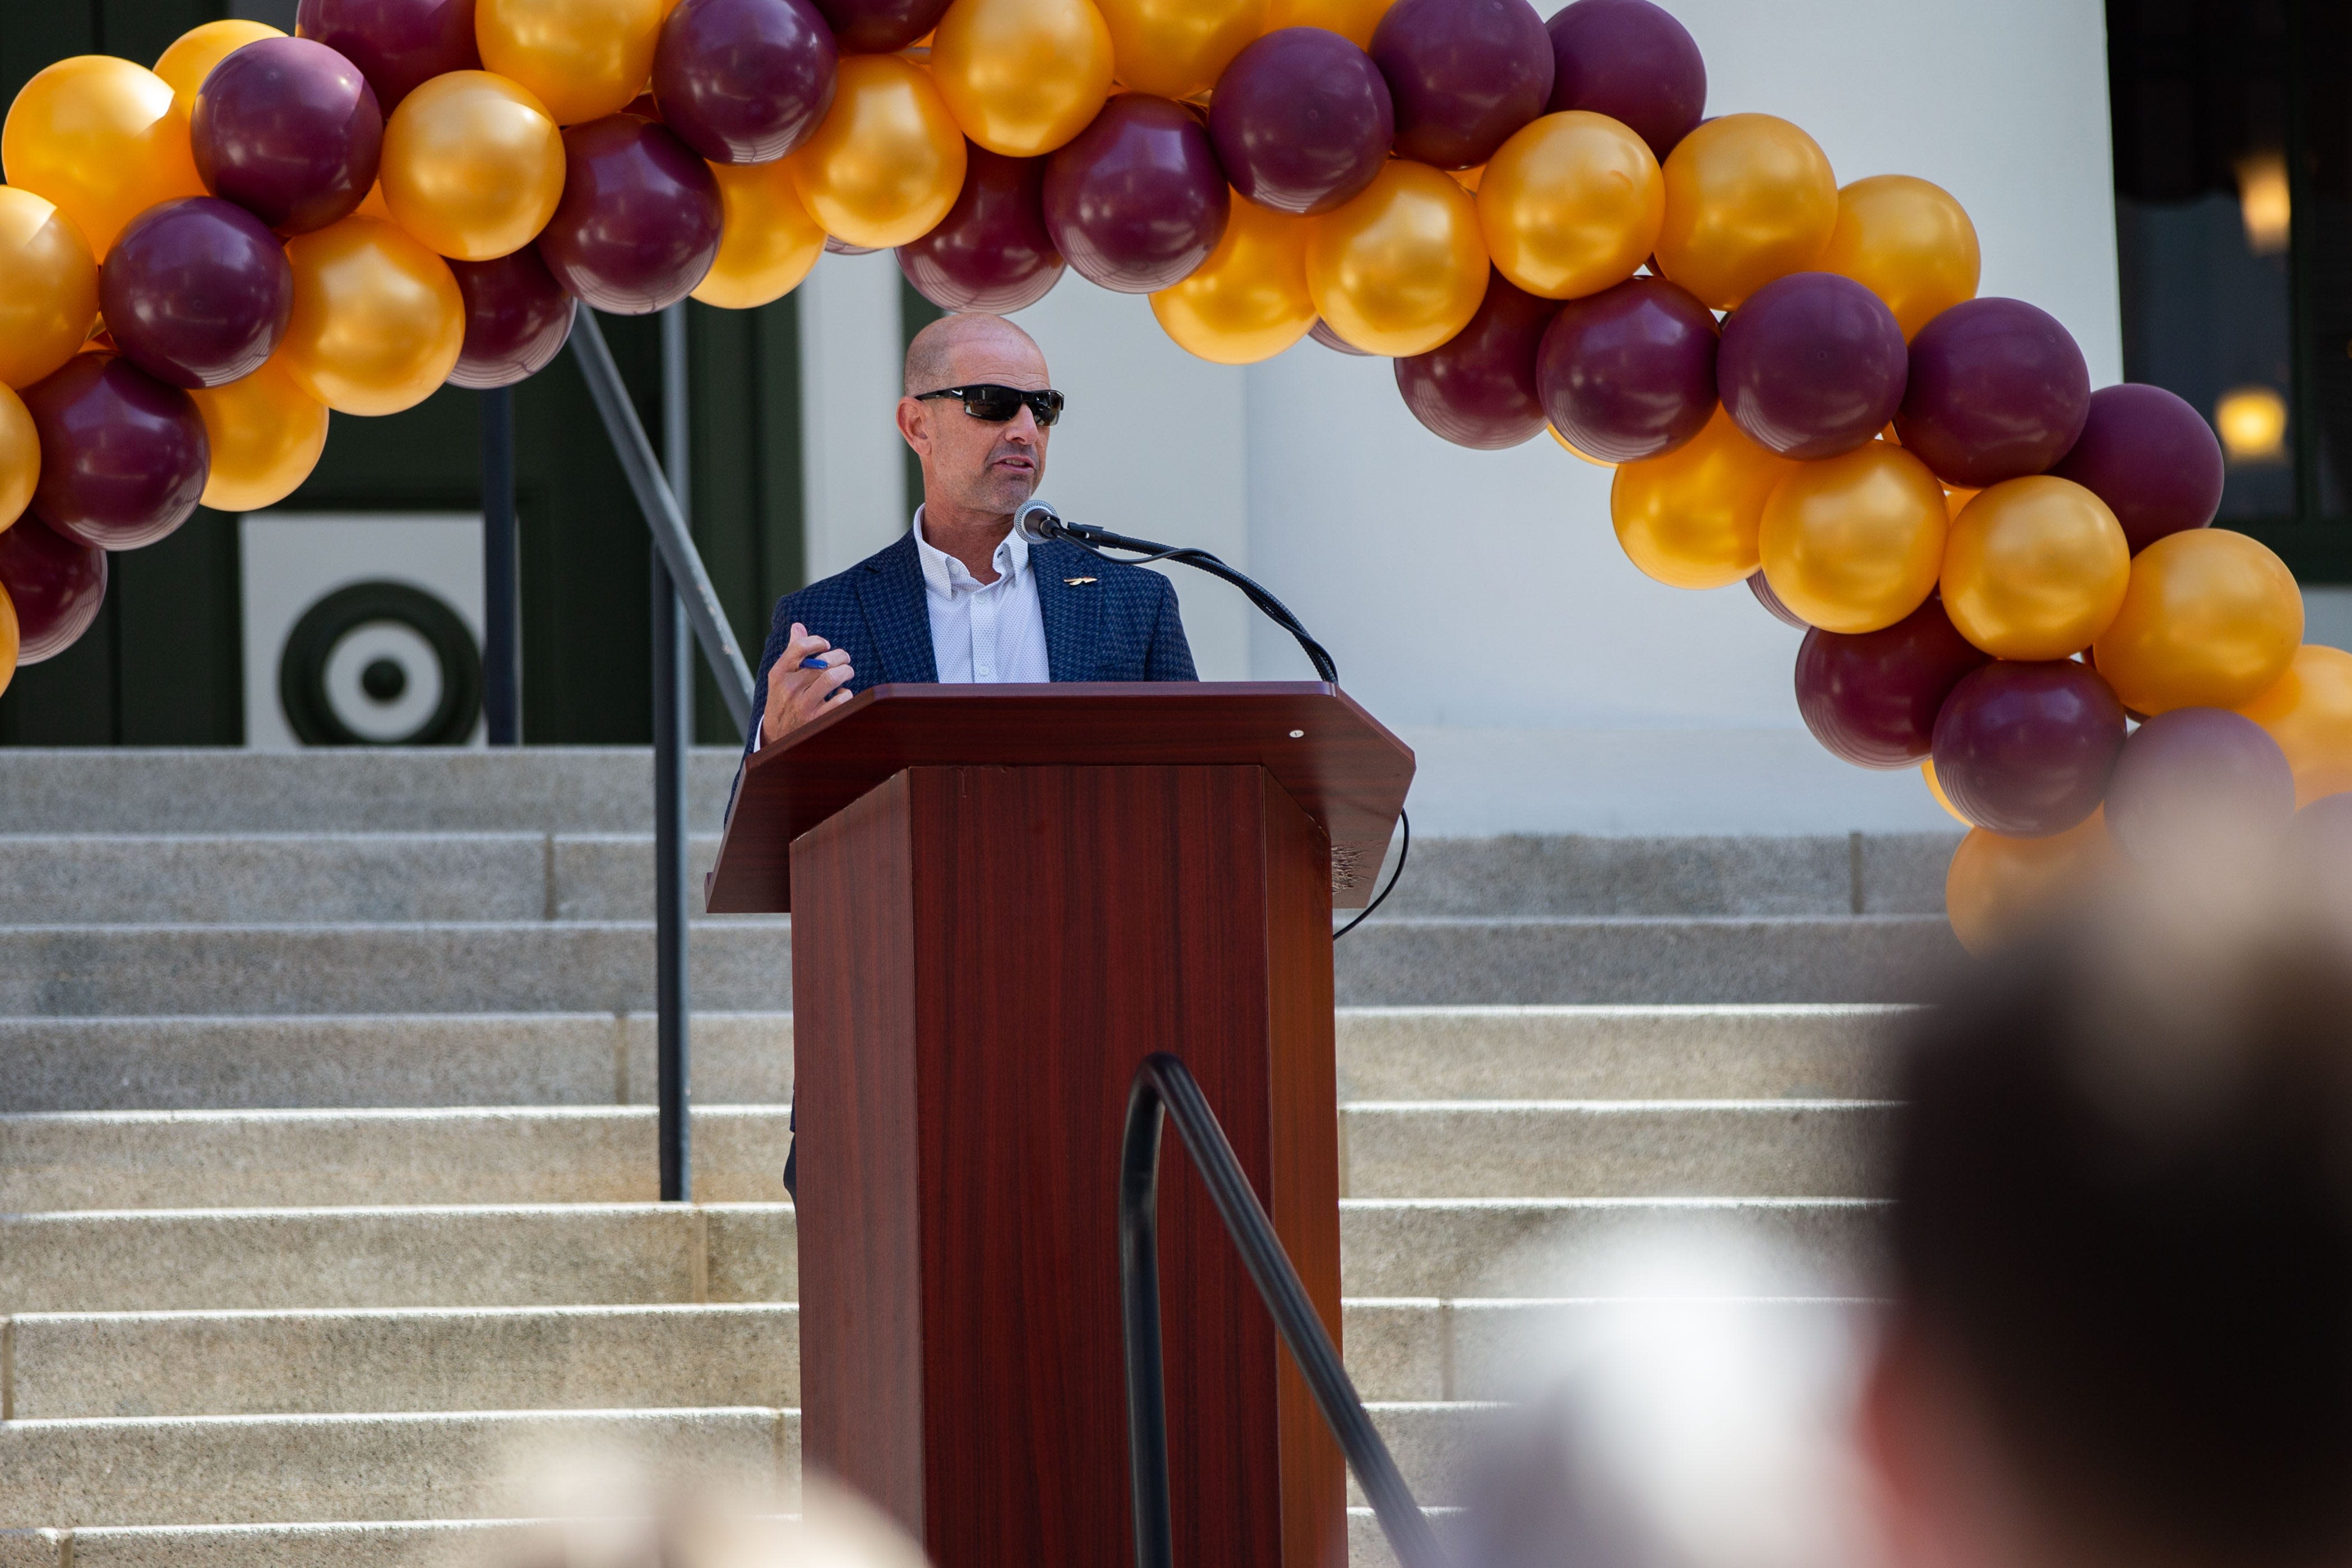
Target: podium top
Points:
(1336, 761)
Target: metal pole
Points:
(501, 575)
(664, 517)
(673, 672)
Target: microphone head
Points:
(1036, 521)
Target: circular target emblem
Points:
(381, 664)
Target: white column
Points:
(853, 477)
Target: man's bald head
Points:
(941, 351)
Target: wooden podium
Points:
(1004, 897)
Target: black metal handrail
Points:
(1165, 1087)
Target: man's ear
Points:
(915, 425)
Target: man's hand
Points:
(796, 696)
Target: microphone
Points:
(1036, 521)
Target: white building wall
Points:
(1477, 601)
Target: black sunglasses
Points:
(998, 405)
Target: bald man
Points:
(962, 597)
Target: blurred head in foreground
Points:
(2121, 1331)
(614, 1512)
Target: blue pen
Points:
(817, 662)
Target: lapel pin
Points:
(1076, 581)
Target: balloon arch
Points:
(1997, 568)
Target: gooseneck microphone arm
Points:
(1037, 520)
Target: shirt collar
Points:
(944, 575)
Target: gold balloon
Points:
(1749, 198)
(1177, 47)
(2308, 711)
(48, 288)
(1248, 301)
(102, 139)
(1907, 242)
(1021, 77)
(373, 205)
(2211, 619)
(1570, 448)
(378, 320)
(1935, 787)
(10, 640)
(1570, 205)
(267, 434)
(768, 243)
(1957, 501)
(1690, 517)
(189, 61)
(1999, 888)
(1852, 543)
(1353, 20)
(2034, 569)
(20, 457)
(582, 59)
(887, 163)
(1399, 268)
(472, 165)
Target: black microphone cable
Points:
(1038, 521)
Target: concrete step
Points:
(83, 1365)
(434, 1543)
(315, 1159)
(1582, 875)
(1687, 1148)
(1535, 1248)
(1732, 1051)
(279, 1469)
(319, 1159)
(452, 967)
(584, 789)
(78, 1366)
(506, 1255)
(571, 966)
(359, 1060)
(1830, 959)
(313, 878)
(1623, 1051)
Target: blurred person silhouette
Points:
(644, 1520)
(2122, 1242)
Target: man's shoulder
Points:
(842, 586)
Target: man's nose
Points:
(1024, 425)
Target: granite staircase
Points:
(327, 1149)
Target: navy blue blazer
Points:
(1104, 621)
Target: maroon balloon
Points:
(1772, 601)
(1478, 389)
(1631, 61)
(398, 44)
(2151, 458)
(637, 228)
(1321, 332)
(1811, 365)
(1998, 391)
(289, 130)
(990, 252)
(1136, 200)
(123, 457)
(196, 292)
(744, 81)
(518, 318)
(881, 27)
(2192, 768)
(1629, 372)
(1873, 698)
(1302, 119)
(55, 584)
(2025, 749)
(1464, 75)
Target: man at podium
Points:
(963, 597)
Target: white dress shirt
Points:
(987, 633)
